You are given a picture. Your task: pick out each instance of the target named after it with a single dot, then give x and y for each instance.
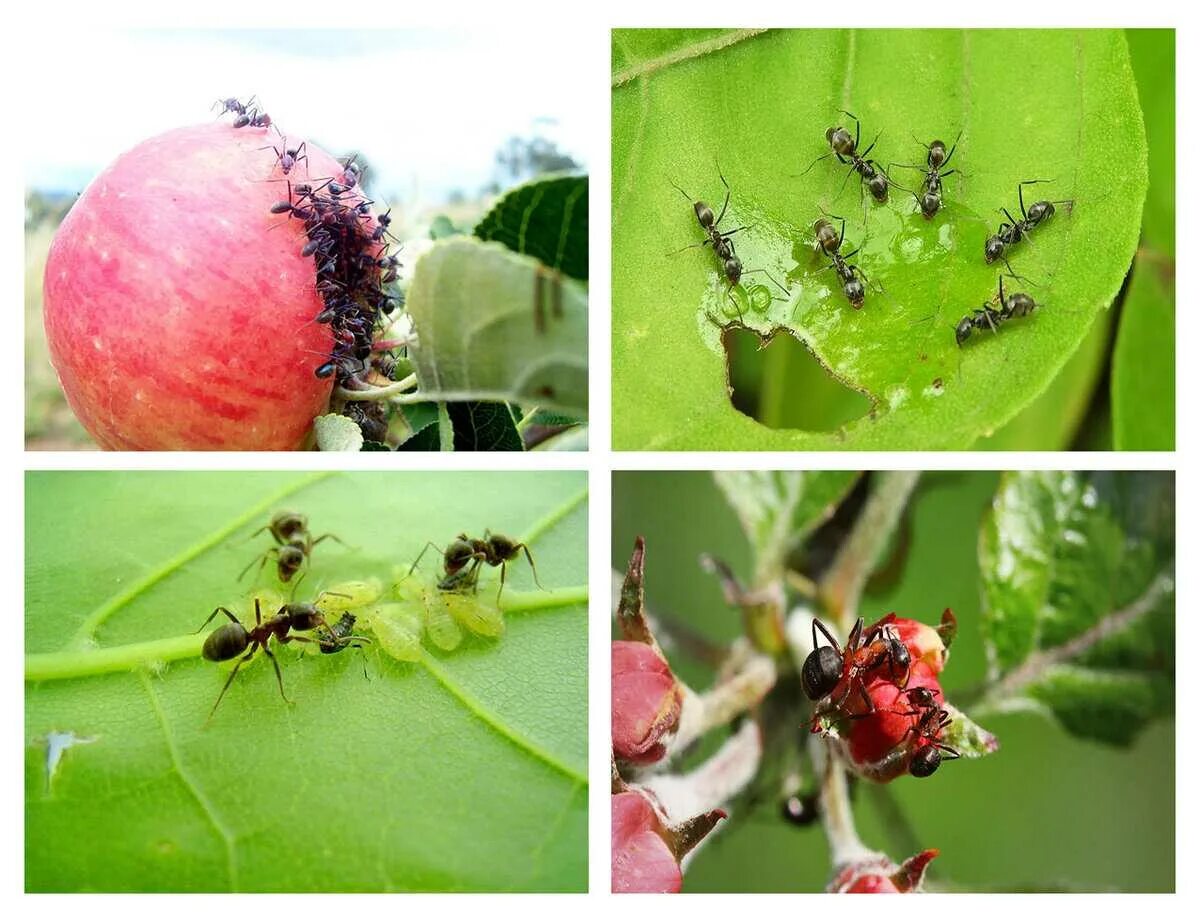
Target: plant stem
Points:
(71, 664)
(379, 393)
(895, 823)
(537, 600)
(841, 587)
(837, 817)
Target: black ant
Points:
(846, 150)
(722, 245)
(1012, 232)
(852, 277)
(463, 557)
(932, 719)
(230, 640)
(291, 553)
(827, 666)
(930, 198)
(284, 526)
(233, 105)
(989, 317)
(287, 158)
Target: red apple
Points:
(179, 310)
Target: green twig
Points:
(842, 586)
(537, 600)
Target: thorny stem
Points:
(71, 664)
(1038, 662)
(841, 587)
(379, 393)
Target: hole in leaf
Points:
(777, 381)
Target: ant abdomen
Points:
(821, 673)
(225, 643)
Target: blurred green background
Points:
(1116, 392)
(1048, 811)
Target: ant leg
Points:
(529, 558)
(736, 305)
(428, 545)
(278, 674)
(953, 147)
(257, 612)
(816, 623)
(863, 154)
(214, 615)
(768, 273)
(229, 681)
(813, 163)
(849, 172)
(266, 555)
(330, 535)
(949, 751)
(694, 245)
(855, 635)
(727, 193)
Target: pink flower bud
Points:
(924, 642)
(645, 850)
(646, 702)
(880, 875)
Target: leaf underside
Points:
(758, 105)
(498, 326)
(465, 771)
(546, 218)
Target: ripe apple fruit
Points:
(179, 310)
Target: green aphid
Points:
(474, 613)
(350, 595)
(443, 630)
(397, 627)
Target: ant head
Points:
(286, 524)
(898, 651)
(704, 214)
(840, 140)
(291, 559)
(993, 249)
(925, 761)
(855, 292)
(821, 673)
(921, 697)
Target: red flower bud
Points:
(646, 702)
(924, 642)
(645, 850)
(880, 875)
(871, 739)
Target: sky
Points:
(428, 108)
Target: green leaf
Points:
(546, 218)
(683, 104)
(1078, 590)
(463, 771)
(778, 509)
(495, 326)
(966, 736)
(484, 426)
(422, 420)
(1143, 375)
(337, 433)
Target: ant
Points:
(1012, 232)
(827, 667)
(287, 158)
(464, 556)
(291, 552)
(231, 639)
(722, 245)
(284, 525)
(829, 240)
(932, 718)
(930, 198)
(233, 105)
(988, 316)
(846, 150)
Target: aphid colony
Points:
(876, 180)
(848, 683)
(350, 246)
(438, 607)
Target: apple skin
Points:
(178, 309)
